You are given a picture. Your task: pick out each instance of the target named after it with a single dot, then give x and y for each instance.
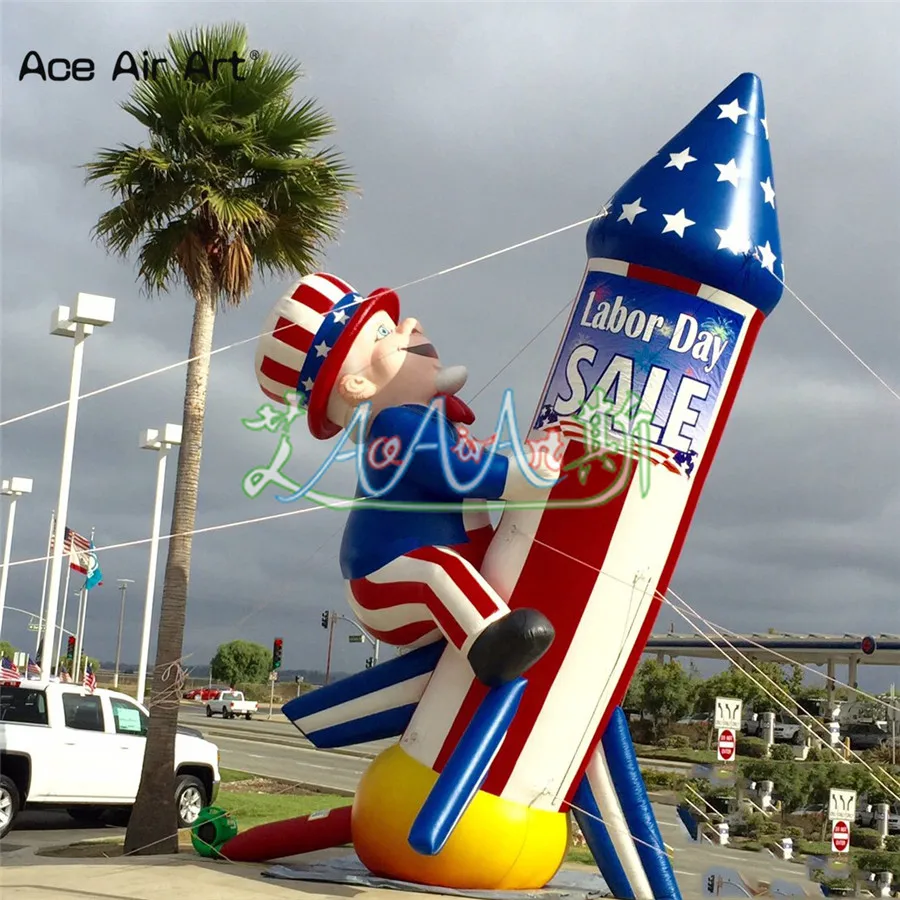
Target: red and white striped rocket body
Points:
(596, 571)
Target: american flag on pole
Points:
(9, 672)
(77, 548)
(90, 681)
(33, 670)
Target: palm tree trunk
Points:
(153, 827)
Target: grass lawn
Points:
(648, 751)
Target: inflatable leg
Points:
(618, 752)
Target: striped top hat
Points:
(307, 337)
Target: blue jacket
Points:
(374, 537)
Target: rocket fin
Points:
(371, 705)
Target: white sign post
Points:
(728, 713)
(841, 805)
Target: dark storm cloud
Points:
(472, 127)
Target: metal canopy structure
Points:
(810, 649)
(826, 650)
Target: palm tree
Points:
(227, 182)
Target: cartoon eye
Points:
(382, 332)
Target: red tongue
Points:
(457, 411)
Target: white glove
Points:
(527, 485)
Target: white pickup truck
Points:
(63, 747)
(230, 704)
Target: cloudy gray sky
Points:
(472, 127)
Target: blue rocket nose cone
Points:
(704, 207)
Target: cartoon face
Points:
(390, 364)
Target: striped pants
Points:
(430, 592)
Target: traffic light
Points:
(70, 647)
(277, 650)
(370, 662)
(325, 618)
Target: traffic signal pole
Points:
(331, 618)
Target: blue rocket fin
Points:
(371, 705)
(466, 769)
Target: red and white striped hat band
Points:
(301, 338)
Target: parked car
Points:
(230, 704)
(787, 729)
(865, 816)
(696, 719)
(61, 746)
(204, 693)
(865, 735)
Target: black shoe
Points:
(510, 646)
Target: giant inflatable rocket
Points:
(683, 268)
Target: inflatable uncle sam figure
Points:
(411, 575)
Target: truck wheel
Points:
(190, 798)
(10, 803)
(208, 712)
(248, 716)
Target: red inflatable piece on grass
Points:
(320, 830)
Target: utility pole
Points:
(893, 727)
(123, 587)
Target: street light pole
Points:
(12, 488)
(89, 311)
(123, 587)
(162, 442)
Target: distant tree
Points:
(754, 687)
(241, 662)
(7, 649)
(666, 691)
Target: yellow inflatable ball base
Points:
(497, 845)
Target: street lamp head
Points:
(124, 581)
(16, 486)
(92, 309)
(62, 325)
(156, 439)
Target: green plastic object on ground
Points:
(213, 828)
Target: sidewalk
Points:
(24, 876)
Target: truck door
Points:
(82, 771)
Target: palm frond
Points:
(230, 179)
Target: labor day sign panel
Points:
(649, 352)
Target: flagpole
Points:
(41, 629)
(82, 618)
(62, 619)
(82, 610)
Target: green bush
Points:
(641, 731)
(654, 780)
(879, 861)
(751, 748)
(675, 742)
(783, 752)
(865, 838)
(892, 843)
(793, 832)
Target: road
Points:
(279, 728)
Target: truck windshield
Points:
(22, 705)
